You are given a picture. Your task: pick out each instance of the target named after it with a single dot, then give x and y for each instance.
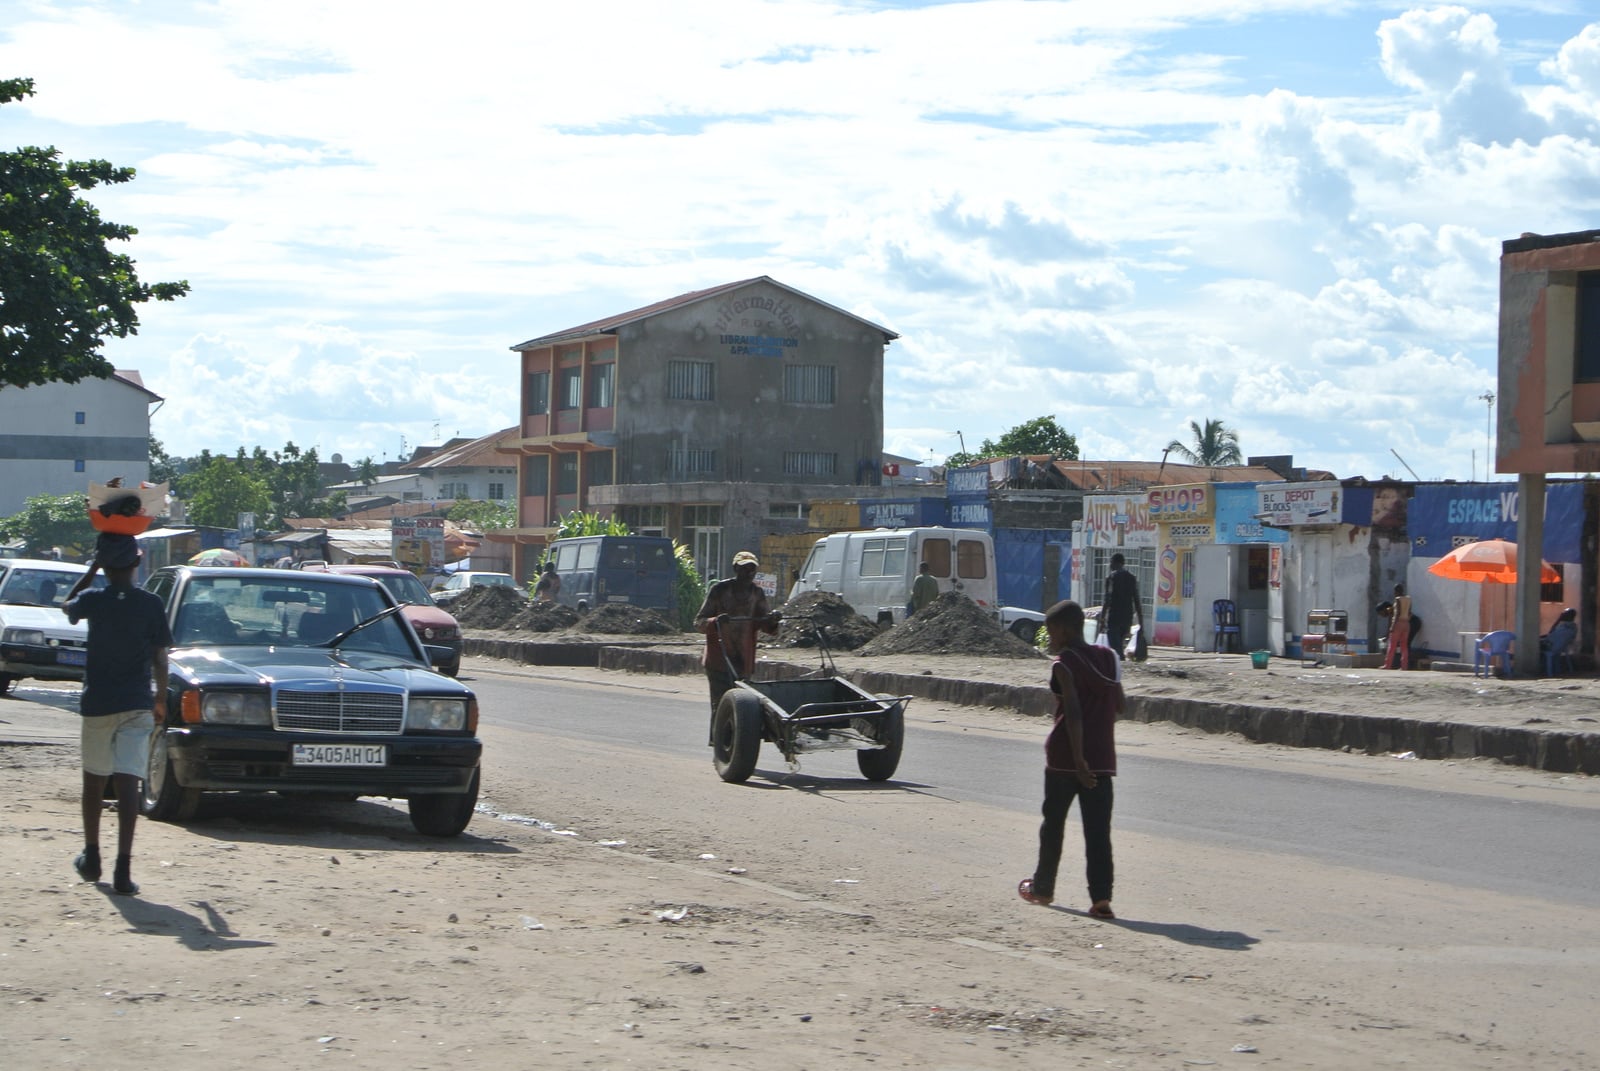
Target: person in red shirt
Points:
(734, 610)
(1080, 758)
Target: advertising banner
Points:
(418, 543)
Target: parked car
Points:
(637, 570)
(460, 583)
(303, 681)
(431, 623)
(36, 639)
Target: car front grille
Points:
(341, 712)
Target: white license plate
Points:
(66, 657)
(339, 755)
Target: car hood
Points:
(422, 617)
(47, 618)
(287, 666)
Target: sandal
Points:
(1025, 890)
(1102, 910)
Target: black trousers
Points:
(1060, 789)
(719, 680)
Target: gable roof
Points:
(467, 453)
(611, 324)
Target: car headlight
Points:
(28, 637)
(436, 715)
(443, 632)
(235, 708)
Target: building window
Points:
(602, 382)
(645, 520)
(809, 463)
(597, 468)
(538, 393)
(570, 389)
(692, 381)
(453, 490)
(1587, 358)
(411, 496)
(77, 466)
(80, 417)
(691, 461)
(566, 474)
(788, 510)
(497, 492)
(536, 476)
(808, 384)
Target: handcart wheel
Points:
(736, 736)
(880, 763)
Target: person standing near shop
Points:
(733, 611)
(127, 650)
(1121, 606)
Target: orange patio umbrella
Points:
(1488, 561)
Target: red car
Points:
(432, 625)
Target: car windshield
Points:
(40, 587)
(495, 580)
(284, 611)
(406, 589)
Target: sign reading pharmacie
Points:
(1298, 503)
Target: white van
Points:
(873, 571)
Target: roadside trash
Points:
(707, 855)
(847, 881)
(453, 917)
(1245, 1048)
(612, 843)
(805, 1018)
(327, 1040)
(672, 916)
(1406, 755)
(737, 870)
(531, 923)
(684, 967)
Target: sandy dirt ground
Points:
(601, 915)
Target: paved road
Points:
(1498, 842)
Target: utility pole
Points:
(1488, 416)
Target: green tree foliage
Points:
(62, 290)
(1214, 444)
(222, 490)
(292, 478)
(366, 470)
(163, 469)
(586, 524)
(1041, 435)
(483, 516)
(690, 587)
(51, 521)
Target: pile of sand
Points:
(618, 618)
(486, 607)
(845, 629)
(542, 617)
(951, 624)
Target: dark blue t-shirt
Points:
(126, 627)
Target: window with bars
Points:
(538, 393)
(691, 461)
(597, 468)
(570, 388)
(536, 476)
(809, 463)
(808, 384)
(693, 381)
(566, 474)
(497, 492)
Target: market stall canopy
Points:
(1488, 561)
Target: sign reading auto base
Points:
(418, 542)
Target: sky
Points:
(1131, 215)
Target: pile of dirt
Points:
(486, 607)
(542, 617)
(845, 629)
(951, 624)
(618, 618)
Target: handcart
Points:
(819, 712)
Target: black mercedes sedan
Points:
(303, 682)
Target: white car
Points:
(460, 583)
(36, 639)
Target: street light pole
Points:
(1488, 416)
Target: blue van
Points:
(637, 570)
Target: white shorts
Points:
(118, 743)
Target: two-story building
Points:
(56, 437)
(714, 417)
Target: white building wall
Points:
(42, 443)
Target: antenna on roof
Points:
(1409, 469)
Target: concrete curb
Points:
(1553, 750)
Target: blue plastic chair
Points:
(1496, 644)
(1224, 625)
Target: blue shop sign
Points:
(904, 512)
(1236, 516)
(1443, 516)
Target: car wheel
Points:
(880, 763)
(736, 736)
(444, 814)
(6, 681)
(452, 670)
(1025, 630)
(162, 798)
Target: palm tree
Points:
(1214, 444)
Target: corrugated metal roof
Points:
(470, 453)
(610, 324)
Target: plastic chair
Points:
(1561, 659)
(1495, 644)
(1225, 625)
